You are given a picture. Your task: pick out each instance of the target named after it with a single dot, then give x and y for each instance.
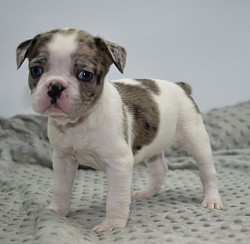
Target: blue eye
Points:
(85, 75)
(36, 71)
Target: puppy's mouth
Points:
(54, 108)
(56, 112)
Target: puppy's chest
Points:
(85, 144)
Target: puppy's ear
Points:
(113, 51)
(23, 50)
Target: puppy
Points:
(110, 125)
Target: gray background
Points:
(206, 43)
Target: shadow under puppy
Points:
(110, 125)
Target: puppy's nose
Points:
(54, 91)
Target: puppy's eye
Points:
(36, 71)
(85, 75)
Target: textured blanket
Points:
(175, 215)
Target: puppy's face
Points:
(67, 68)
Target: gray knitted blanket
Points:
(175, 215)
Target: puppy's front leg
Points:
(119, 195)
(65, 167)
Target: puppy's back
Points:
(152, 109)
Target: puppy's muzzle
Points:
(54, 91)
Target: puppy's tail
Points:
(188, 90)
(186, 87)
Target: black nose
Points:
(55, 91)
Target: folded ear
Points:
(114, 51)
(23, 50)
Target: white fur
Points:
(98, 140)
(62, 45)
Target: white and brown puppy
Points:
(110, 125)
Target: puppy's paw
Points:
(139, 195)
(212, 203)
(109, 225)
(144, 194)
(62, 211)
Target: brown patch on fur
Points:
(37, 54)
(150, 84)
(35, 50)
(188, 90)
(95, 55)
(89, 57)
(144, 110)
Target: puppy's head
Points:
(67, 68)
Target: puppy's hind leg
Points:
(193, 136)
(157, 168)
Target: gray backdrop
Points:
(206, 43)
